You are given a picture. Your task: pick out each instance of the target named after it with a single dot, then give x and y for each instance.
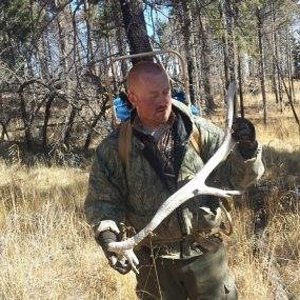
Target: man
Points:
(186, 257)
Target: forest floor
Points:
(47, 250)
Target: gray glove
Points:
(120, 265)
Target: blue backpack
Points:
(122, 108)
(179, 95)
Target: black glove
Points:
(244, 134)
(120, 265)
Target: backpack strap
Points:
(125, 136)
(195, 139)
(124, 142)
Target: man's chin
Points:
(162, 119)
(163, 116)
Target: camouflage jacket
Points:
(132, 193)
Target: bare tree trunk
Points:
(293, 90)
(135, 28)
(25, 118)
(274, 81)
(289, 64)
(274, 69)
(230, 39)
(46, 120)
(120, 38)
(114, 75)
(224, 48)
(63, 40)
(4, 129)
(68, 126)
(280, 92)
(93, 125)
(281, 76)
(45, 56)
(240, 80)
(188, 37)
(205, 65)
(289, 98)
(261, 62)
(226, 13)
(89, 45)
(71, 110)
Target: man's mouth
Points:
(161, 109)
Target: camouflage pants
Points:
(203, 277)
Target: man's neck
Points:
(154, 131)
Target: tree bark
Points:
(25, 117)
(188, 38)
(135, 28)
(89, 45)
(240, 80)
(183, 13)
(120, 39)
(230, 40)
(230, 45)
(274, 69)
(101, 113)
(46, 120)
(71, 110)
(261, 62)
(205, 65)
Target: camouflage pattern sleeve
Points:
(107, 189)
(235, 172)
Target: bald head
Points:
(141, 69)
(149, 93)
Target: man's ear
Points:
(132, 98)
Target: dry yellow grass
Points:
(47, 251)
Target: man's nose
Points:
(163, 99)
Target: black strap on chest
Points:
(152, 155)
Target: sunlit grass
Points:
(46, 249)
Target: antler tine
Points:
(194, 187)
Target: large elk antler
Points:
(194, 187)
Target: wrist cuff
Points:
(107, 225)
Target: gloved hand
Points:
(120, 264)
(244, 134)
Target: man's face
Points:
(151, 97)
